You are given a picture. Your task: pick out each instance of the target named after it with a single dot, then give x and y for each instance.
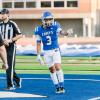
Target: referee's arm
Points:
(18, 36)
(17, 33)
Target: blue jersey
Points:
(48, 36)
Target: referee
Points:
(10, 34)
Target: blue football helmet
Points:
(47, 19)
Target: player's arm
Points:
(6, 42)
(69, 32)
(18, 36)
(38, 45)
(61, 32)
(17, 32)
(38, 48)
(3, 56)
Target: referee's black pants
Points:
(10, 72)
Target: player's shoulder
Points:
(55, 23)
(37, 29)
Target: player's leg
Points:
(54, 78)
(16, 78)
(60, 75)
(49, 61)
(11, 75)
(59, 72)
(9, 71)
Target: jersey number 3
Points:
(48, 40)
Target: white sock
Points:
(60, 76)
(54, 78)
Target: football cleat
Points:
(62, 90)
(58, 90)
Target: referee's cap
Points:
(4, 11)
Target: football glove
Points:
(70, 32)
(40, 60)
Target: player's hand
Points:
(6, 42)
(70, 32)
(9, 41)
(5, 66)
(40, 60)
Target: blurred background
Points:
(81, 49)
(81, 15)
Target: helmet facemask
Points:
(48, 22)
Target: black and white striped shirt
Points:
(9, 30)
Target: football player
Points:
(48, 34)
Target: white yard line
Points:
(77, 79)
(95, 98)
(19, 95)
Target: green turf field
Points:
(70, 65)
